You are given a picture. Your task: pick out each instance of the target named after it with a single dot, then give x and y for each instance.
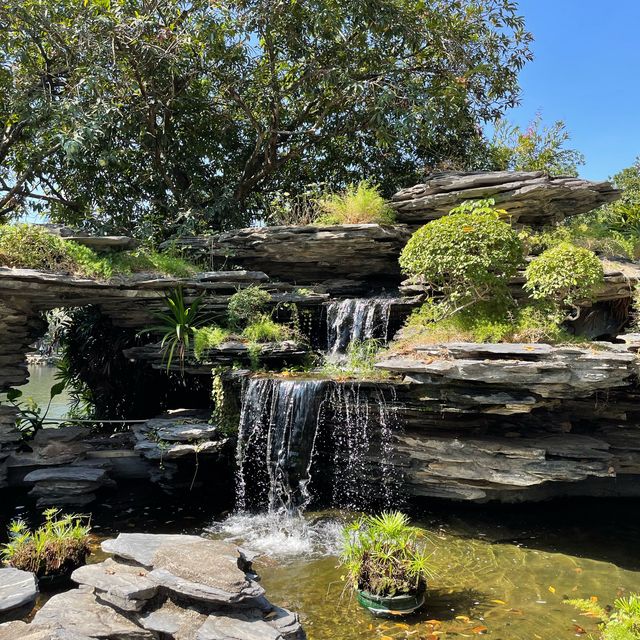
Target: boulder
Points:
(531, 197)
(18, 590)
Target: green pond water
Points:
(41, 379)
(504, 590)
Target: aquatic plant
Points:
(385, 555)
(57, 546)
(620, 623)
(264, 329)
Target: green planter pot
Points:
(395, 606)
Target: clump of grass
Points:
(264, 329)
(358, 204)
(359, 361)
(209, 337)
(247, 306)
(27, 246)
(59, 545)
(484, 322)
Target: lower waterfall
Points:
(315, 440)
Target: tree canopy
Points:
(156, 117)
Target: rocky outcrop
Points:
(271, 355)
(170, 586)
(517, 422)
(345, 259)
(541, 369)
(531, 197)
(171, 438)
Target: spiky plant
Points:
(620, 623)
(61, 543)
(177, 326)
(385, 555)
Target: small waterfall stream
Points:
(356, 319)
(301, 439)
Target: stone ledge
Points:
(532, 198)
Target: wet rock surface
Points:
(531, 197)
(170, 586)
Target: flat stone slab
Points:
(205, 570)
(142, 547)
(67, 473)
(123, 585)
(18, 589)
(22, 631)
(175, 621)
(77, 612)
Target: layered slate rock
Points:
(270, 355)
(172, 587)
(531, 197)
(514, 422)
(171, 438)
(18, 591)
(67, 485)
(544, 370)
(343, 258)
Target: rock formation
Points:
(176, 587)
(531, 197)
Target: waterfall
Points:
(301, 439)
(356, 319)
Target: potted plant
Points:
(53, 550)
(386, 563)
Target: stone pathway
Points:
(162, 586)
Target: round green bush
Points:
(564, 274)
(464, 255)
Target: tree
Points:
(164, 116)
(537, 148)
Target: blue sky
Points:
(586, 72)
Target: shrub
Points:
(384, 555)
(28, 246)
(59, 545)
(208, 338)
(484, 322)
(620, 623)
(264, 329)
(564, 275)
(31, 247)
(247, 306)
(359, 361)
(361, 203)
(468, 256)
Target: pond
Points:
(497, 571)
(41, 378)
(508, 589)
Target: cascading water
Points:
(299, 439)
(356, 319)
